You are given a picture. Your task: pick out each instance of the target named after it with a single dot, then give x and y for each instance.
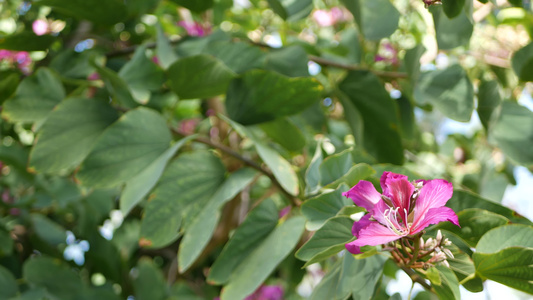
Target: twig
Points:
(327, 62)
(416, 278)
(131, 49)
(245, 160)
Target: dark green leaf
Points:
(6, 242)
(8, 285)
(106, 13)
(196, 5)
(201, 76)
(377, 19)
(35, 97)
(26, 41)
(451, 33)
(149, 284)
(381, 132)
(522, 63)
(284, 132)
(335, 166)
(261, 96)
(291, 10)
(126, 148)
(290, 61)
(513, 132)
(48, 230)
(463, 266)
(164, 51)
(191, 178)
(312, 174)
(116, 86)
(449, 90)
(353, 175)
(449, 288)
(257, 225)
(328, 240)
(489, 98)
(238, 56)
(320, 208)
(265, 258)
(8, 85)
(69, 133)
(452, 8)
(202, 227)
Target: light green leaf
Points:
(463, 266)
(290, 61)
(284, 132)
(125, 148)
(190, 179)
(8, 285)
(140, 185)
(69, 133)
(200, 76)
(506, 236)
(164, 51)
(328, 240)
(104, 13)
(335, 166)
(449, 90)
(261, 96)
(451, 33)
(513, 132)
(257, 225)
(238, 56)
(142, 76)
(377, 19)
(116, 86)
(264, 259)
(522, 63)
(381, 127)
(202, 227)
(312, 174)
(322, 207)
(449, 288)
(35, 97)
(353, 176)
(291, 10)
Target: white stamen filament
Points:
(390, 216)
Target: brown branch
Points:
(295, 201)
(131, 49)
(416, 278)
(326, 62)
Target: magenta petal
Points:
(375, 234)
(434, 216)
(352, 248)
(363, 194)
(362, 223)
(400, 191)
(435, 193)
(386, 177)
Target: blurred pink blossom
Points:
(155, 60)
(194, 28)
(284, 211)
(40, 27)
(20, 59)
(267, 292)
(387, 54)
(188, 126)
(326, 18)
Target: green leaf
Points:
(200, 76)
(202, 227)
(449, 90)
(449, 288)
(8, 85)
(238, 56)
(191, 178)
(462, 200)
(312, 174)
(8, 285)
(452, 8)
(262, 96)
(35, 97)
(463, 266)
(54, 275)
(69, 133)
(26, 41)
(48, 230)
(140, 185)
(291, 10)
(72, 64)
(474, 223)
(116, 86)
(105, 13)
(264, 259)
(505, 255)
(513, 132)
(376, 19)
(451, 33)
(281, 168)
(196, 5)
(255, 228)
(142, 76)
(335, 166)
(489, 98)
(522, 62)
(290, 61)
(354, 175)
(381, 128)
(412, 62)
(164, 51)
(328, 240)
(6, 242)
(125, 148)
(284, 132)
(322, 207)
(149, 284)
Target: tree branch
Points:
(416, 278)
(326, 62)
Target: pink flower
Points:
(326, 18)
(403, 209)
(194, 28)
(267, 292)
(40, 27)
(21, 59)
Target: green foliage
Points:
(174, 149)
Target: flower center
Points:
(391, 218)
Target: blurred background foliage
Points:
(164, 149)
